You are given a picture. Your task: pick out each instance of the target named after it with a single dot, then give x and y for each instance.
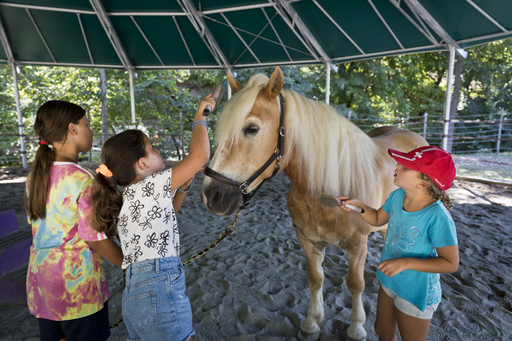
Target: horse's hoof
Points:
(356, 332)
(302, 336)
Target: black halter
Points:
(244, 187)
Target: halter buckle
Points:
(281, 131)
(244, 188)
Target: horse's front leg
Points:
(309, 329)
(355, 282)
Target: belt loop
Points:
(157, 265)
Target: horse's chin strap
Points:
(245, 187)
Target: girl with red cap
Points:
(421, 242)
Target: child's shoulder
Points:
(70, 170)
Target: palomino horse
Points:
(323, 153)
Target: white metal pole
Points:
(327, 82)
(448, 98)
(132, 96)
(20, 117)
(229, 91)
(498, 142)
(425, 116)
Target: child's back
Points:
(66, 278)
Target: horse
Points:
(322, 153)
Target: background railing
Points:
(469, 134)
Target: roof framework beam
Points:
(338, 27)
(418, 8)
(205, 33)
(85, 38)
(247, 47)
(184, 41)
(111, 33)
(487, 15)
(6, 44)
(386, 24)
(304, 30)
(290, 24)
(277, 34)
(422, 29)
(147, 41)
(41, 35)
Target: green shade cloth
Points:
(156, 34)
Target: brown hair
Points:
(51, 125)
(437, 193)
(120, 153)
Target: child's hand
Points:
(202, 170)
(393, 266)
(348, 200)
(207, 101)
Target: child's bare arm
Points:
(370, 215)
(179, 198)
(447, 261)
(108, 249)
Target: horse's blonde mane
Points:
(336, 157)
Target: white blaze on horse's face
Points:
(256, 137)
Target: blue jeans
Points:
(155, 306)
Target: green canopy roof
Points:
(227, 34)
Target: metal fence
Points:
(472, 134)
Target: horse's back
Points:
(396, 138)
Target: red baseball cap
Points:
(434, 162)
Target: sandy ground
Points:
(253, 286)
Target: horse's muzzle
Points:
(219, 198)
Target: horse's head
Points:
(246, 137)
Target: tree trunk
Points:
(455, 99)
(104, 107)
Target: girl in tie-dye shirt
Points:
(66, 284)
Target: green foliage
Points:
(391, 89)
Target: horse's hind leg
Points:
(355, 283)
(309, 329)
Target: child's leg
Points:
(386, 322)
(412, 328)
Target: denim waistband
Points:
(156, 264)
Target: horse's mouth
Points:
(220, 199)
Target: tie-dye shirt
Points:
(65, 277)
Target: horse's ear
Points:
(235, 86)
(275, 84)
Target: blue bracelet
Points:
(200, 123)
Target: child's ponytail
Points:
(107, 202)
(119, 155)
(51, 125)
(438, 193)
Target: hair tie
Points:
(43, 142)
(103, 169)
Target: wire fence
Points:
(467, 134)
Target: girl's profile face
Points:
(85, 135)
(153, 158)
(405, 177)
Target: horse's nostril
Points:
(215, 197)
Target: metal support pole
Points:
(425, 116)
(498, 142)
(132, 96)
(448, 98)
(20, 117)
(327, 82)
(182, 138)
(349, 114)
(229, 92)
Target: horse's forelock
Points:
(231, 119)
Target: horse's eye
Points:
(251, 130)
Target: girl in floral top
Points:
(67, 288)
(155, 306)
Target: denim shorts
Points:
(410, 309)
(155, 306)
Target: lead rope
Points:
(229, 231)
